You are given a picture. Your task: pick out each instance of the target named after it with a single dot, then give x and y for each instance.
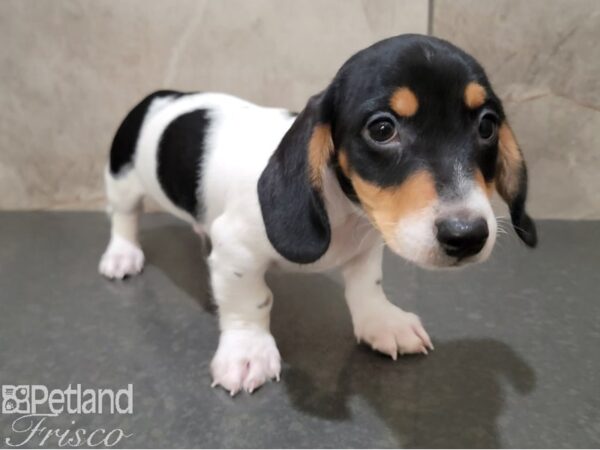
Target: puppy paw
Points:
(120, 259)
(245, 359)
(392, 331)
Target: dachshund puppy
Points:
(404, 147)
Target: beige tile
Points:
(70, 70)
(543, 58)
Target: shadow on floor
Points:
(450, 399)
(181, 255)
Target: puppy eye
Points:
(382, 130)
(487, 127)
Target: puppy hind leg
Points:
(123, 255)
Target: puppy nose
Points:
(462, 237)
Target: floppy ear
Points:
(290, 189)
(511, 183)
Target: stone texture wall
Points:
(70, 69)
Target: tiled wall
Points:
(69, 70)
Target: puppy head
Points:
(418, 140)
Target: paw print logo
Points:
(15, 399)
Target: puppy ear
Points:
(511, 184)
(290, 189)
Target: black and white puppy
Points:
(404, 147)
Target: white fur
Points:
(415, 236)
(121, 258)
(241, 139)
(376, 321)
(245, 359)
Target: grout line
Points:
(430, 17)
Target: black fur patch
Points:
(179, 158)
(442, 137)
(125, 140)
(522, 223)
(344, 181)
(442, 133)
(293, 210)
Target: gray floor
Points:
(517, 357)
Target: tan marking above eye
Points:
(510, 163)
(387, 206)
(320, 149)
(404, 102)
(475, 95)
(487, 187)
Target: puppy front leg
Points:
(378, 322)
(247, 355)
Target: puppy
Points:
(404, 147)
